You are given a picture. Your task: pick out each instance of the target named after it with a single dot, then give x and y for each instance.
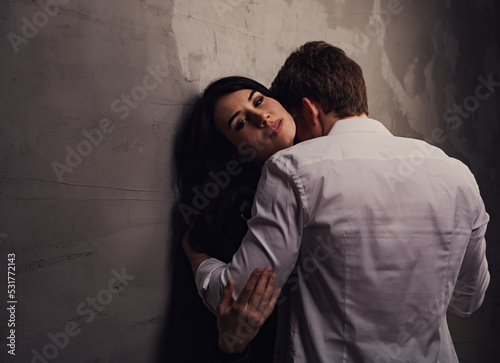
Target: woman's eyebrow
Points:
(232, 118)
(251, 95)
(238, 112)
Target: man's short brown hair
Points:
(323, 73)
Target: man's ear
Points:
(310, 111)
(310, 125)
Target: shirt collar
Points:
(359, 124)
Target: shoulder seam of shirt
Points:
(298, 185)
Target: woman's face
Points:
(256, 124)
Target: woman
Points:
(225, 139)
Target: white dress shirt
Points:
(385, 234)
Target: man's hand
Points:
(239, 321)
(194, 257)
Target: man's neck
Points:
(330, 120)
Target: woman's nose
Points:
(263, 119)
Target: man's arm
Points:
(195, 258)
(473, 277)
(273, 239)
(238, 321)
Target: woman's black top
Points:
(191, 331)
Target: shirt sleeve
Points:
(473, 277)
(273, 238)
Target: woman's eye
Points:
(259, 101)
(241, 124)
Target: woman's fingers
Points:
(248, 290)
(266, 305)
(269, 307)
(260, 288)
(269, 287)
(256, 300)
(257, 297)
(225, 300)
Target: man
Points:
(378, 255)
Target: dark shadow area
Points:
(476, 27)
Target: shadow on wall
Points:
(188, 325)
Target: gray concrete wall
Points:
(91, 94)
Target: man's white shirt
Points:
(383, 235)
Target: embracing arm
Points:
(273, 238)
(473, 277)
(195, 258)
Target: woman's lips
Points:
(275, 128)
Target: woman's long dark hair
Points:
(201, 152)
(218, 227)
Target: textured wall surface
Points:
(91, 96)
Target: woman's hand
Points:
(195, 258)
(239, 321)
